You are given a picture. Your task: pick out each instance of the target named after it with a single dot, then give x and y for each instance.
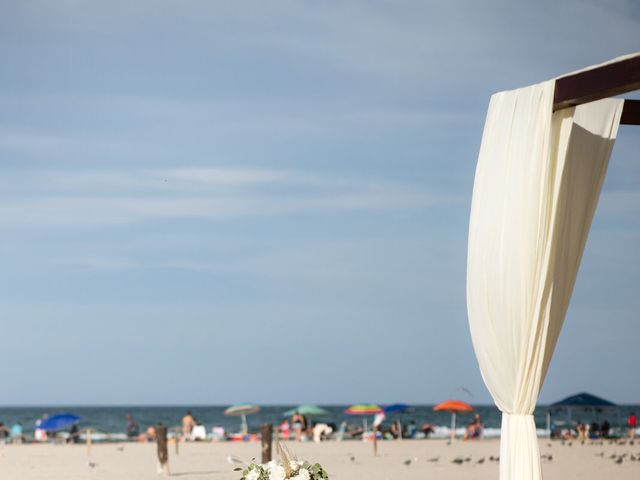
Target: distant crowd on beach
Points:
(187, 432)
(592, 431)
(300, 427)
(16, 434)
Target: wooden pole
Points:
(453, 426)
(163, 452)
(374, 429)
(266, 429)
(88, 440)
(245, 426)
(176, 439)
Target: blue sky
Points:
(210, 202)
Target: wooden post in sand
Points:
(176, 439)
(266, 429)
(88, 440)
(375, 440)
(163, 452)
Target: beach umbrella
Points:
(398, 408)
(59, 422)
(364, 409)
(242, 410)
(309, 410)
(453, 406)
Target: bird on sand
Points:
(233, 460)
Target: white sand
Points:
(198, 461)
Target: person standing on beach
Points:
(133, 429)
(17, 434)
(299, 425)
(188, 422)
(632, 421)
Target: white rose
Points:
(303, 474)
(277, 473)
(253, 474)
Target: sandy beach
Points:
(343, 460)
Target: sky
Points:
(212, 202)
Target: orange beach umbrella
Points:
(453, 406)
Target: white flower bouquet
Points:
(283, 469)
(275, 470)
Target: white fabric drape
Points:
(537, 183)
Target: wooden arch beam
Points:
(602, 82)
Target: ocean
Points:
(110, 421)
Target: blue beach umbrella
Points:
(399, 408)
(59, 421)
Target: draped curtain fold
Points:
(537, 183)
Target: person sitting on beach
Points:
(410, 429)
(74, 434)
(4, 432)
(474, 429)
(427, 429)
(355, 431)
(393, 430)
(40, 435)
(285, 429)
(148, 436)
(188, 422)
(132, 429)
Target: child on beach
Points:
(632, 421)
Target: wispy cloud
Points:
(93, 199)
